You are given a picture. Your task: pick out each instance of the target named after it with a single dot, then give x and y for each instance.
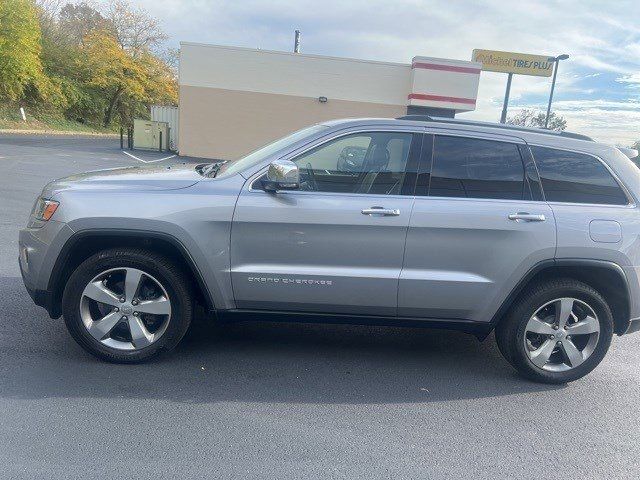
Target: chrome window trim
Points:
(630, 200)
(482, 200)
(431, 130)
(333, 194)
(321, 141)
(600, 205)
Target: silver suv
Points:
(414, 221)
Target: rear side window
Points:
(476, 168)
(576, 178)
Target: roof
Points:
(533, 136)
(425, 118)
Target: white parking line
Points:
(147, 161)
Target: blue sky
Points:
(598, 89)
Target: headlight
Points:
(44, 209)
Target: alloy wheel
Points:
(125, 308)
(561, 334)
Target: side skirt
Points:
(480, 329)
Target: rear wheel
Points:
(126, 305)
(557, 332)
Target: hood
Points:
(139, 178)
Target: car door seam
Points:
(233, 218)
(404, 251)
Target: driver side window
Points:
(368, 163)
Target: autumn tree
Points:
(20, 65)
(140, 36)
(134, 29)
(103, 60)
(126, 80)
(535, 119)
(76, 21)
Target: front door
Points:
(479, 224)
(336, 244)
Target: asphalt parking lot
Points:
(283, 400)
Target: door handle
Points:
(527, 217)
(383, 212)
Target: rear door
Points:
(479, 223)
(336, 245)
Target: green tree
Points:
(20, 65)
(63, 30)
(535, 119)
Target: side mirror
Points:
(282, 175)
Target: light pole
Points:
(296, 42)
(505, 104)
(555, 60)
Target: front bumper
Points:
(42, 298)
(634, 326)
(38, 250)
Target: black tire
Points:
(502, 343)
(173, 278)
(510, 332)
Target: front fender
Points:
(196, 220)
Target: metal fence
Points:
(161, 113)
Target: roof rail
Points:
(577, 136)
(417, 118)
(542, 131)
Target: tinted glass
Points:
(576, 177)
(368, 163)
(474, 168)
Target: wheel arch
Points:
(605, 276)
(82, 245)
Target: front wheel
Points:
(126, 305)
(557, 332)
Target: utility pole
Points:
(556, 60)
(296, 43)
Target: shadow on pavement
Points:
(255, 362)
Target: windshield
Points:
(257, 156)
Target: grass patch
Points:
(11, 119)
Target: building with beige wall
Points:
(234, 100)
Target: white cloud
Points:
(599, 103)
(633, 79)
(609, 121)
(598, 64)
(599, 36)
